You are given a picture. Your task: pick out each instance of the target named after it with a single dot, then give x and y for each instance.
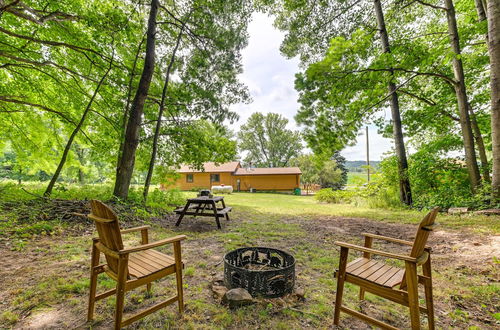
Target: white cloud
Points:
(270, 78)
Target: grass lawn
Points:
(45, 278)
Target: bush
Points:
(163, 198)
(329, 195)
(435, 181)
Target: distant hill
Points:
(356, 165)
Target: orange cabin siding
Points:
(230, 174)
(268, 182)
(259, 182)
(202, 180)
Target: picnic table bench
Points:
(204, 206)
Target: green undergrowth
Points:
(24, 212)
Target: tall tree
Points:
(309, 168)
(404, 181)
(161, 109)
(125, 169)
(493, 10)
(267, 141)
(318, 169)
(202, 43)
(460, 90)
(340, 164)
(459, 86)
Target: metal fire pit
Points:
(261, 271)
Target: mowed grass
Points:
(307, 207)
(49, 287)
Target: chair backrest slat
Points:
(423, 231)
(108, 229)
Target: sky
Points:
(270, 80)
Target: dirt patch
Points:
(51, 318)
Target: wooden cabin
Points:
(240, 178)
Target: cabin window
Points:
(214, 177)
(189, 178)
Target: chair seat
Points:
(375, 271)
(145, 263)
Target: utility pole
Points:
(367, 155)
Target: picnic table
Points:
(204, 206)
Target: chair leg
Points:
(361, 294)
(145, 240)
(178, 275)
(340, 284)
(93, 282)
(367, 255)
(93, 287)
(412, 286)
(428, 293)
(120, 292)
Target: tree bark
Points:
(54, 178)
(125, 168)
(160, 115)
(478, 137)
(461, 93)
(481, 13)
(404, 182)
(81, 159)
(493, 10)
(127, 106)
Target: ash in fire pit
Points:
(261, 271)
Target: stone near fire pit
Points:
(237, 297)
(219, 291)
(300, 294)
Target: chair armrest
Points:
(394, 240)
(377, 252)
(104, 249)
(153, 245)
(389, 239)
(130, 230)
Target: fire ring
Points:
(261, 271)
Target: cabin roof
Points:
(211, 167)
(236, 169)
(268, 171)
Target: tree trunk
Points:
(160, 115)
(127, 106)
(494, 52)
(461, 93)
(126, 167)
(81, 159)
(404, 182)
(480, 145)
(54, 178)
(481, 13)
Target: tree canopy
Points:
(267, 142)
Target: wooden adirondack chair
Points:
(393, 283)
(131, 267)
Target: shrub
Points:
(164, 198)
(328, 195)
(435, 181)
